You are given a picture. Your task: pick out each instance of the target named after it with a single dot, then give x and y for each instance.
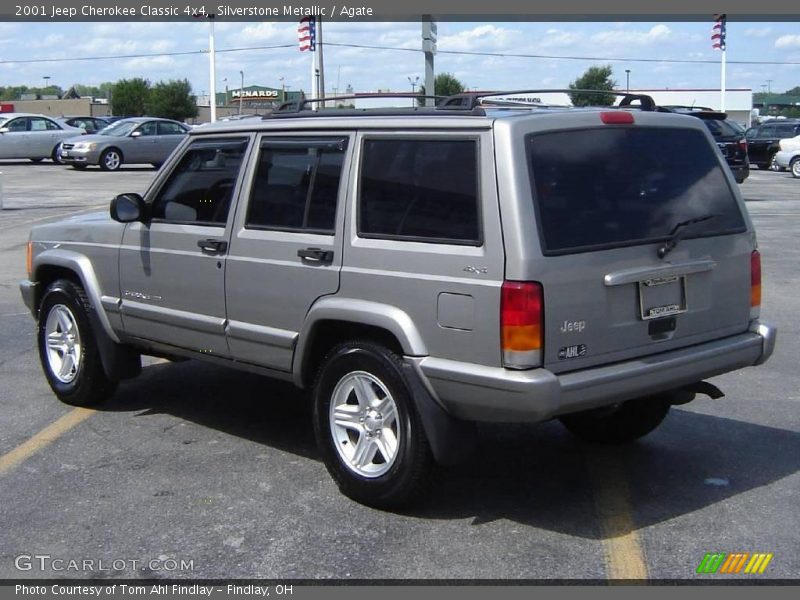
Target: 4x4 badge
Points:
(476, 270)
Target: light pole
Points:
(413, 83)
(627, 81)
(46, 81)
(241, 92)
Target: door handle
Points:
(316, 255)
(213, 246)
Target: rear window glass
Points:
(614, 186)
(721, 128)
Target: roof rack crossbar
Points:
(471, 100)
(299, 105)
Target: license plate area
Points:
(662, 297)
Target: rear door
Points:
(286, 249)
(607, 200)
(169, 136)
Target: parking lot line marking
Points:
(623, 551)
(43, 439)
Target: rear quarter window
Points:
(621, 186)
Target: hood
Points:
(89, 137)
(93, 228)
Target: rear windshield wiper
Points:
(678, 232)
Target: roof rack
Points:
(469, 103)
(472, 100)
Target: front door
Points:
(286, 249)
(172, 268)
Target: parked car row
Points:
(763, 141)
(87, 141)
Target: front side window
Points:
(420, 190)
(297, 185)
(200, 188)
(149, 128)
(18, 125)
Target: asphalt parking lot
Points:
(218, 470)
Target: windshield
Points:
(613, 186)
(119, 128)
(3, 120)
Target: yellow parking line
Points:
(624, 555)
(43, 439)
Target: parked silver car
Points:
(27, 135)
(131, 141)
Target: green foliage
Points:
(94, 91)
(129, 96)
(445, 84)
(595, 78)
(171, 100)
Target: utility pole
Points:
(413, 83)
(241, 92)
(627, 81)
(429, 31)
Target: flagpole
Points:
(212, 73)
(722, 82)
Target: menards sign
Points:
(256, 94)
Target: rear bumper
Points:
(480, 393)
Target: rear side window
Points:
(297, 185)
(420, 190)
(612, 186)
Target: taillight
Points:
(742, 144)
(755, 283)
(522, 324)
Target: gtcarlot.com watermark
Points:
(45, 563)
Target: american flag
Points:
(718, 33)
(307, 34)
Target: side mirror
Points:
(136, 134)
(127, 208)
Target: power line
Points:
(401, 49)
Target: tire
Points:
(773, 165)
(794, 167)
(67, 347)
(55, 156)
(111, 159)
(624, 423)
(377, 452)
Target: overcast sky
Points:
(372, 69)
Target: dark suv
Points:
(728, 135)
(762, 141)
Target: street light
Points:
(46, 81)
(241, 92)
(627, 81)
(413, 83)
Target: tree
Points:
(445, 84)
(595, 78)
(129, 96)
(172, 100)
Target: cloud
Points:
(658, 34)
(758, 32)
(788, 41)
(482, 37)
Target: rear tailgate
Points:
(606, 201)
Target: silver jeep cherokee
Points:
(421, 270)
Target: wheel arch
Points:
(334, 320)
